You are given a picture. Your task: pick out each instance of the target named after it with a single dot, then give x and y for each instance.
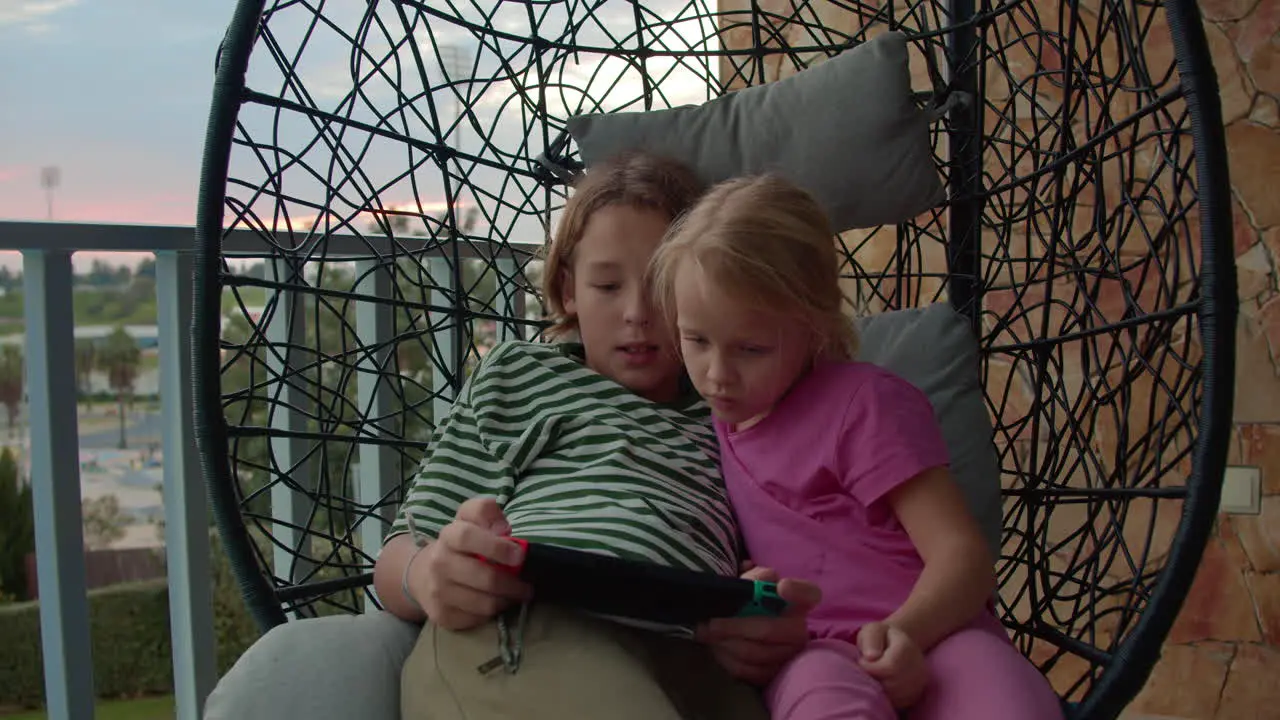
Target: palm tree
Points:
(12, 381)
(120, 358)
(86, 359)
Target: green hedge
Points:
(130, 642)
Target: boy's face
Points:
(741, 359)
(607, 292)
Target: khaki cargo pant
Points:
(573, 667)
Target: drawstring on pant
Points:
(510, 644)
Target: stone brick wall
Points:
(1222, 659)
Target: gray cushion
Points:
(327, 668)
(847, 130)
(934, 349)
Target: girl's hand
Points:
(754, 649)
(458, 590)
(892, 657)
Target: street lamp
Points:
(50, 178)
(455, 61)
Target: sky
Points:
(116, 95)
(113, 93)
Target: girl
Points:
(837, 472)
(597, 444)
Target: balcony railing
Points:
(47, 250)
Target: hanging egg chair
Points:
(379, 179)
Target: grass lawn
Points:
(160, 708)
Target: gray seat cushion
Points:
(934, 349)
(327, 668)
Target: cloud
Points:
(160, 208)
(28, 202)
(364, 220)
(499, 82)
(493, 67)
(504, 68)
(32, 15)
(13, 172)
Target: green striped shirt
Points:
(577, 460)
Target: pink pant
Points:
(975, 675)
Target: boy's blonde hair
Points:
(765, 243)
(636, 180)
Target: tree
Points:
(10, 281)
(121, 358)
(140, 292)
(17, 527)
(257, 270)
(103, 522)
(12, 382)
(86, 359)
(100, 274)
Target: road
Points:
(141, 429)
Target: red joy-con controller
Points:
(510, 569)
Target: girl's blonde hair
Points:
(637, 180)
(766, 243)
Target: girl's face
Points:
(742, 360)
(608, 294)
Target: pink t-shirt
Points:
(808, 484)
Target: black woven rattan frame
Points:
(372, 200)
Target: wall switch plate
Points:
(1241, 491)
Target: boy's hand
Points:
(754, 649)
(457, 590)
(892, 657)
